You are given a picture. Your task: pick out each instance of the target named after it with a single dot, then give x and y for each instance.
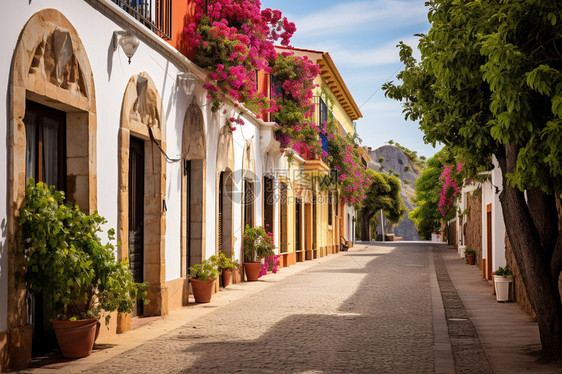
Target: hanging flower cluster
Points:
(343, 156)
(353, 178)
(233, 40)
(271, 263)
(293, 94)
(450, 187)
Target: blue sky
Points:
(361, 37)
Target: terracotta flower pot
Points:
(76, 338)
(252, 270)
(202, 289)
(226, 277)
(471, 259)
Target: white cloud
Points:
(348, 17)
(381, 55)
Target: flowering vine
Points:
(233, 39)
(343, 156)
(451, 182)
(293, 94)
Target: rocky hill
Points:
(392, 160)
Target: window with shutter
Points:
(249, 203)
(221, 211)
(45, 130)
(268, 201)
(330, 209)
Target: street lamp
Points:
(128, 42)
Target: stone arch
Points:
(193, 188)
(224, 192)
(141, 118)
(50, 67)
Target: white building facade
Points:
(135, 141)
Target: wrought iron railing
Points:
(154, 14)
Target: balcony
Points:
(154, 14)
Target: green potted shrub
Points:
(75, 272)
(226, 266)
(502, 279)
(258, 245)
(202, 277)
(470, 255)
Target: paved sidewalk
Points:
(107, 348)
(508, 335)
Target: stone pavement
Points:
(508, 335)
(375, 309)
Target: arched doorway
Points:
(51, 137)
(193, 188)
(224, 192)
(142, 192)
(250, 185)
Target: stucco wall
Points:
(450, 230)
(111, 72)
(473, 229)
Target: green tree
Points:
(489, 84)
(384, 193)
(426, 215)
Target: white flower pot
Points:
(502, 286)
(462, 249)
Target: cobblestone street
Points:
(407, 307)
(381, 308)
(364, 311)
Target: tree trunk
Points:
(365, 227)
(533, 260)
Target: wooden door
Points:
(221, 211)
(45, 161)
(268, 203)
(283, 217)
(489, 242)
(187, 171)
(298, 228)
(136, 214)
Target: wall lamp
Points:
(128, 42)
(187, 82)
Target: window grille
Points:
(154, 14)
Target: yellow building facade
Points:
(318, 222)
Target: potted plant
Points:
(202, 277)
(470, 255)
(502, 279)
(258, 245)
(76, 273)
(226, 266)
